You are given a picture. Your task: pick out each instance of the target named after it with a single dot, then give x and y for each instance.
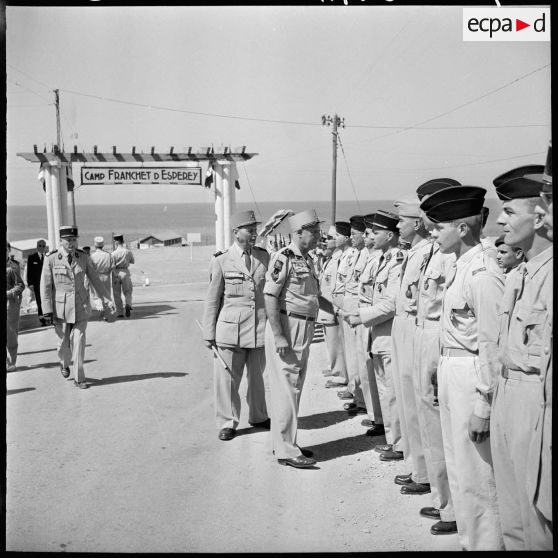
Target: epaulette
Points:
(219, 253)
(400, 256)
(475, 271)
(260, 248)
(288, 252)
(50, 253)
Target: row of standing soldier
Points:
(446, 355)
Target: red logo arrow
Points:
(519, 25)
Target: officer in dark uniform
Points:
(34, 270)
(234, 324)
(66, 300)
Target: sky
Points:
(418, 102)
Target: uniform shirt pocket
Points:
(462, 316)
(227, 328)
(234, 283)
(531, 323)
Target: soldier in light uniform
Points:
(468, 366)
(526, 304)
(121, 280)
(346, 262)
(374, 421)
(403, 363)
(65, 300)
(539, 467)
(291, 300)
(104, 264)
(329, 321)
(354, 356)
(379, 316)
(234, 324)
(14, 290)
(426, 347)
(509, 257)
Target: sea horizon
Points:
(136, 221)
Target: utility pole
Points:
(335, 121)
(60, 148)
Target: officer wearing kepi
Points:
(121, 280)
(234, 325)
(291, 300)
(66, 300)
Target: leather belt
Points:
(458, 352)
(299, 316)
(520, 375)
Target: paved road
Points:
(133, 464)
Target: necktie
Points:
(451, 275)
(247, 260)
(70, 259)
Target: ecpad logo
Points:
(506, 24)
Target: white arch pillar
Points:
(219, 209)
(227, 210)
(54, 177)
(52, 236)
(64, 216)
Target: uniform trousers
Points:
(511, 431)
(469, 463)
(12, 330)
(350, 346)
(384, 381)
(226, 385)
(427, 355)
(286, 379)
(121, 283)
(367, 376)
(95, 299)
(336, 354)
(404, 368)
(37, 293)
(71, 346)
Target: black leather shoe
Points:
(81, 385)
(264, 424)
(128, 310)
(300, 462)
(403, 480)
(335, 384)
(306, 452)
(345, 395)
(383, 447)
(415, 488)
(376, 430)
(357, 411)
(227, 434)
(65, 371)
(392, 456)
(348, 406)
(431, 513)
(444, 528)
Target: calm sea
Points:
(139, 221)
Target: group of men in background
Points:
(441, 340)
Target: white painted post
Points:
(227, 204)
(52, 236)
(64, 219)
(219, 207)
(234, 175)
(55, 198)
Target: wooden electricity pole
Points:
(335, 121)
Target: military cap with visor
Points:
(357, 223)
(343, 227)
(385, 220)
(67, 231)
(243, 219)
(431, 186)
(546, 176)
(521, 182)
(304, 219)
(369, 220)
(455, 202)
(408, 207)
(118, 237)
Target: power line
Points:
(348, 171)
(30, 90)
(451, 127)
(30, 77)
(250, 186)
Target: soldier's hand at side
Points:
(209, 343)
(354, 319)
(281, 345)
(479, 428)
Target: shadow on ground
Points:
(134, 378)
(47, 365)
(21, 390)
(345, 446)
(322, 420)
(42, 351)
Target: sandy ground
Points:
(134, 464)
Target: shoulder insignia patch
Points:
(59, 256)
(277, 267)
(289, 253)
(219, 253)
(388, 257)
(475, 271)
(400, 256)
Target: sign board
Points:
(141, 175)
(193, 237)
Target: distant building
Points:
(160, 239)
(22, 249)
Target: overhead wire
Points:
(348, 171)
(250, 186)
(30, 90)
